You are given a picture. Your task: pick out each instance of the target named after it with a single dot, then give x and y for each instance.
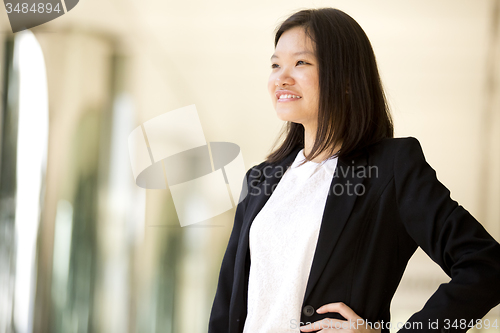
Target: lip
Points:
(286, 92)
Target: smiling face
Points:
(295, 72)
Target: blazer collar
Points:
(339, 204)
(259, 191)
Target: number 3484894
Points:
(35, 8)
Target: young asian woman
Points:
(332, 216)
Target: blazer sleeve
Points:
(453, 238)
(219, 316)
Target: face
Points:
(295, 72)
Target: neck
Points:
(309, 138)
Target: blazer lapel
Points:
(338, 207)
(260, 193)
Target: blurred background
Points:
(83, 249)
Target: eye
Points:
(301, 61)
(274, 66)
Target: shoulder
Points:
(395, 155)
(394, 144)
(390, 149)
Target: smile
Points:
(285, 98)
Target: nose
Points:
(283, 78)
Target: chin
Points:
(286, 116)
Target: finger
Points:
(340, 308)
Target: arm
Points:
(451, 237)
(219, 317)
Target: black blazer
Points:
(367, 236)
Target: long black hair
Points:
(353, 111)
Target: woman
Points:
(349, 206)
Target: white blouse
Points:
(283, 238)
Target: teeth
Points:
(289, 96)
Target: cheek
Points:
(312, 87)
(270, 85)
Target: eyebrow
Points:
(296, 53)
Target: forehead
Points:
(294, 40)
